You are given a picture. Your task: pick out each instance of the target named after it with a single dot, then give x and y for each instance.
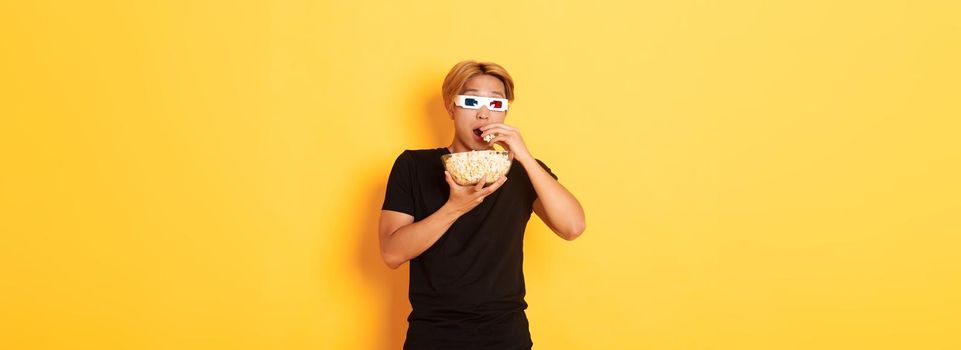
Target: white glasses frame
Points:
(461, 101)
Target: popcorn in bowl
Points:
(469, 168)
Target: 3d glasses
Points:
(475, 102)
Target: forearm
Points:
(560, 206)
(411, 240)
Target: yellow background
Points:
(208, 175)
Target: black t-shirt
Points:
(467, 290)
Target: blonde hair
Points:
(464, 70)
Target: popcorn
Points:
(489, 137)
(469, 168)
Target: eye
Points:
(496, 104)
(471, 102)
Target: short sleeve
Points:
(546, 168)
(400, 194)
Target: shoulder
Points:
(418, 155)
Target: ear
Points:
(450, 112)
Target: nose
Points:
(483, 113)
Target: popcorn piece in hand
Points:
(489, 137)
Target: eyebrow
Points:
(493, 92)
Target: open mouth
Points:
(478, 134)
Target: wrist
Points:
(526, 160)
(449, 210)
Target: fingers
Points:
(480, 185)
(450, 180)
(479, 190)
(497, 184)
(499, 126)
(499, 138)
(498, 132)
(502, 133)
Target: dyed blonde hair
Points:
(464, 70)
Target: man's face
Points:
(466, 121)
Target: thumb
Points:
(450, 181)
(480, 184)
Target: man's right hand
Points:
(464, 198)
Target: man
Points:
(465, 243)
